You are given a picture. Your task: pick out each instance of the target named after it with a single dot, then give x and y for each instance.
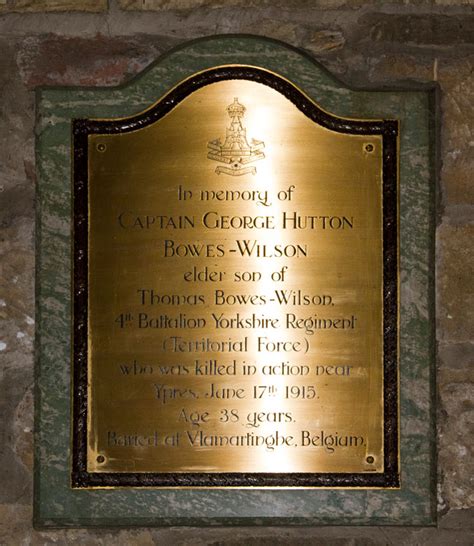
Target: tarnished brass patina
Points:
(235, 291)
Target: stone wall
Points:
(364, 43)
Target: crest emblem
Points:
(236, 152)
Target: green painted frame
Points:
(56, 503)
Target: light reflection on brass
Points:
(187, 352)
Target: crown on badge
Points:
(236, 152)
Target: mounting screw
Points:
(100, 459)
(101, 147)
(370, 459)
(369, 148)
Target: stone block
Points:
(427, 28)
(52, 5)
(55, 60)
(16, 455)
(155, 5)
(455, 274)
(398, 66)
(453, 2)
(457, 141)
(325, 41)
(456, 423)
(457, 451)
(273, 28)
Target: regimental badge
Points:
(236, 151)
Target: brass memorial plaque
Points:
(235, 292)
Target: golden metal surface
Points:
(235, 291)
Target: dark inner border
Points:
(82, 128)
